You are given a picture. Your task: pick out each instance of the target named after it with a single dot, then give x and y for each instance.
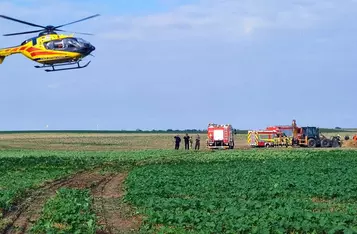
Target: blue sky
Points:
(181, 64)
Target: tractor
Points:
(311, 137)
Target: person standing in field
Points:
(177, 142)
(198, 141)
(187, 140)
(191, 142)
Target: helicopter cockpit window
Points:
(71, 43)
(58, 45)
(54, 45)
(80, 40)
(49, 45)
(63, 44)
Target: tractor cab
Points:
(310, 132)
(307, 136)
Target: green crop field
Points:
(136, 183)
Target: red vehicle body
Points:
(287, 129)
(275, 135)
(220, 136)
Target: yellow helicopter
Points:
(51, 49)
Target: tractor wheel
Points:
(335, 143)
(347, 138)
(311, 143)
(325, 143)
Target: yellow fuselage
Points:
(35, 50)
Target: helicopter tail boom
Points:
(9, 51)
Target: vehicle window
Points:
(71, 43)
(58, 45)
(263, 136)
(81, 40)
(62, 44)
(288, 132)
(49, 45)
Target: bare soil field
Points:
(106, 141)
(98, 142)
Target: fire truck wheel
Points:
(311, 143)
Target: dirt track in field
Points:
(113, 216)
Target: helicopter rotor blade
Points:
(89, 17)
(20, 33)
(20, 21)
(74, 32)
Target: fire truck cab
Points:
(220, 136)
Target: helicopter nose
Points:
(87, 49)
(91, 48)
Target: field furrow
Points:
(22, 217)
(114, 215)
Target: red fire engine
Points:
(220, 136)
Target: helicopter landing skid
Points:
(63, 64)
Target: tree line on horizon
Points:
(173, 131)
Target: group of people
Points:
(188, 141)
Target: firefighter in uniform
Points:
(177, 142)
(198, 140)
(187, 141)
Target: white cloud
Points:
(214, 19)
(222, 20)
